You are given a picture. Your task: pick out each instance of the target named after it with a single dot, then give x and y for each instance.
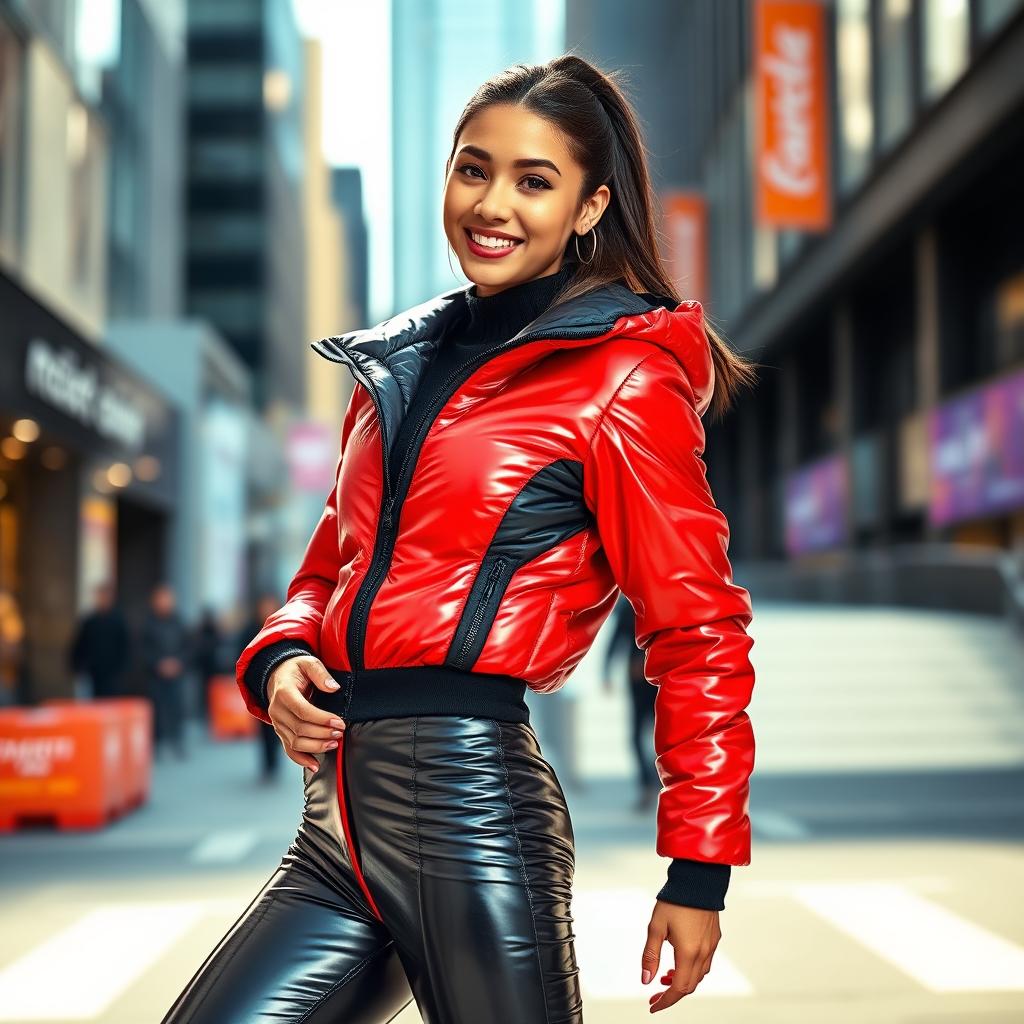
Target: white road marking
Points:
(80, 971)
(936, 947)
(228, 847)
(776, 825)
(610, 926)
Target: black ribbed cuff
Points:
(696, 883)
(266, 660)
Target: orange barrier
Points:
(74, 764)
(229, 717)
(134, 720)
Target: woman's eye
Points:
(466, 168)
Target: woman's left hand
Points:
(694, 935)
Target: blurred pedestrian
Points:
(641, 699)
(164, 645)
(215, 655)
(270, 745)
(101, 645)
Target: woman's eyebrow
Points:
(529, 161)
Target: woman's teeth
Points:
(493, 243)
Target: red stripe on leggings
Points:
(348, 831)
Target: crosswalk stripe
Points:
(610, 926)
(92, 961)
(934, 946)
(227, 847)
(776, 825)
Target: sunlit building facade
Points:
(880, 456)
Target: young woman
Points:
(515, 452)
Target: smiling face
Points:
(513, 178)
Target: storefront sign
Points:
(977, 453)
(84, 399)
(791, 116)
(57, 376)
(686, 249)
(312, 454)
(815, 506)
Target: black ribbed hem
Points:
(424, 690)
(696, 883)
(265, 660)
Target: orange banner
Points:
(686, 246)
(791, 172)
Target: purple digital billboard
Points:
(977, 453)
(816, 506)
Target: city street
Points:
(885, 883)
(412, 336)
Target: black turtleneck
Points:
(495, 318)
(490, 320)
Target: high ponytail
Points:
(602, 131)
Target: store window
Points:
(11, 99)
(1009, 321)
(994, 14)
(12, 619)
(853, 90)
(895, 70)
(945, 43)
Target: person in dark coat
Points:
(270, 745)
(101, 645)
(215, 655)
(641, 698)
(165, 653)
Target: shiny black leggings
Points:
(434, 861)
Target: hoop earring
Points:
(593, 252)
(448, 254)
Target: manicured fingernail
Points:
(332, 684)
(331, 745)
(646, 976)
(337, 723)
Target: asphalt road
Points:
(884, 885)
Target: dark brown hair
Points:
(589, 108)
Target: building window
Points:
(945, 42)
(224, 15)
(225, 232)
(895, 70)
(853, 90)
(994, 14)
(225, 85)
(1009, 321)
(231, 310)
(226, 159)
(87, 170)
(11, 100)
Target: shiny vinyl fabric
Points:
(564, 466)
(434, 861)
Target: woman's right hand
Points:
(300, 725)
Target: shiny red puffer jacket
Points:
(563, 465)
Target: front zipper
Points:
(394, 498)
(481, 608)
